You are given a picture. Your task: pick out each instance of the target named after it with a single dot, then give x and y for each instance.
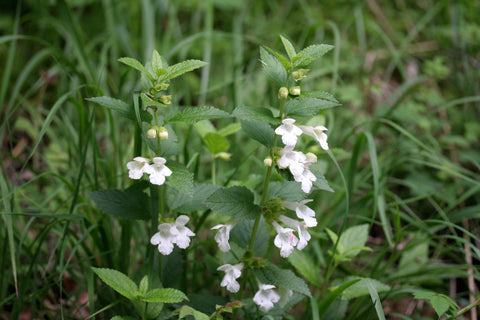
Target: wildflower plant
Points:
(239, 220)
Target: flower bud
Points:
(152, 133)
(163, 133)
(283, 93)
(311, 158)
(268, 161)
(161, 86)
(295, 91)
(153, 92)
(166, 99)
(299, 74)
(224, 156)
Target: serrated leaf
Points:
(423, 295)
(118, 282)
(194, 114)
(260, 131)
(321, 182)
(216, 143)
(157, 64)
(127, 204)
(307, 107)
(165, 295)
(147, 101)
(305, 265)
(440, 304)
(124, 109)
(288, 48)
(319, 95)
(181, 68)
(189, 311)
(283, 60)
(361, 287)
(242, 232)
(287, 190)
(254, 113)
(181, 179)
(272, 67)
(136, 65)
(310, 54)
(183, 203)
(236, 202)
(271, 274)
(230, 129)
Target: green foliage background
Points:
(407, 74)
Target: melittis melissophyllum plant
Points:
(244, 217)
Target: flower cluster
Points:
(157, 170)
(172, 233)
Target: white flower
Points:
(289, 132)
(231, 274)
(158, 171)
(301, 228)
(172, 233)
(164, 238)
(285, 240)
(306, 177)
(302, 211)
(317, 133)
(292, 159)
(137, 167)
(266, 297)
(183, 233)
(222, 236)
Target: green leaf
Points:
(143, 287)
(127, 204)
(194, 114)
(242, 231)
(310, 54)
(440, 304)
(230, 129)
(423, 295)
(124, 109)
(352, 241)
(136, 65)
(189, 311)
(254, 113)
(286, 190)
(361, 288)
(181, 68)
(283, 60)
(305, 265)
(321, 182)
(157, 64)
(184, 203)
(273, 68)
(307, 107)
(271, 274)
(123, 318)
(165, 295)
(319, 95)
(260, 131)
(147, 101)
(334, 293)
(216, 143)
(181, 179)
(288, 48)
(236, 202)
(118, 282)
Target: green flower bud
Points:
(224, 156)
(299, 74)
(153, 92)
(295, 91)
(166, 99)
(152, 133)
(161, 86)
(283, 93)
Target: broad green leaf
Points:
(147, 101)
(126, 204)
(423, 295)
(230, 129)
(286, 190)
(124, 109)
(361, 287)
(236, 202)
(260, 131)
(305, 265)
(271, 274)
(283, 60)
(321, 182)
(310, 54)
(157, 64)
(242, 232)
(118, 282)
(288, 48)
(334, 293)
(352, 241)
(254, 113)
(319, 95)
(273, 68)
(194, 114)
(136, 65)
(181, 179)
(307, 107)
(165, 295)
(440, 304)
(216, 143)
(181, 68)
(184, 203)
(123, 318)
(189, 311)
(143, 286)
